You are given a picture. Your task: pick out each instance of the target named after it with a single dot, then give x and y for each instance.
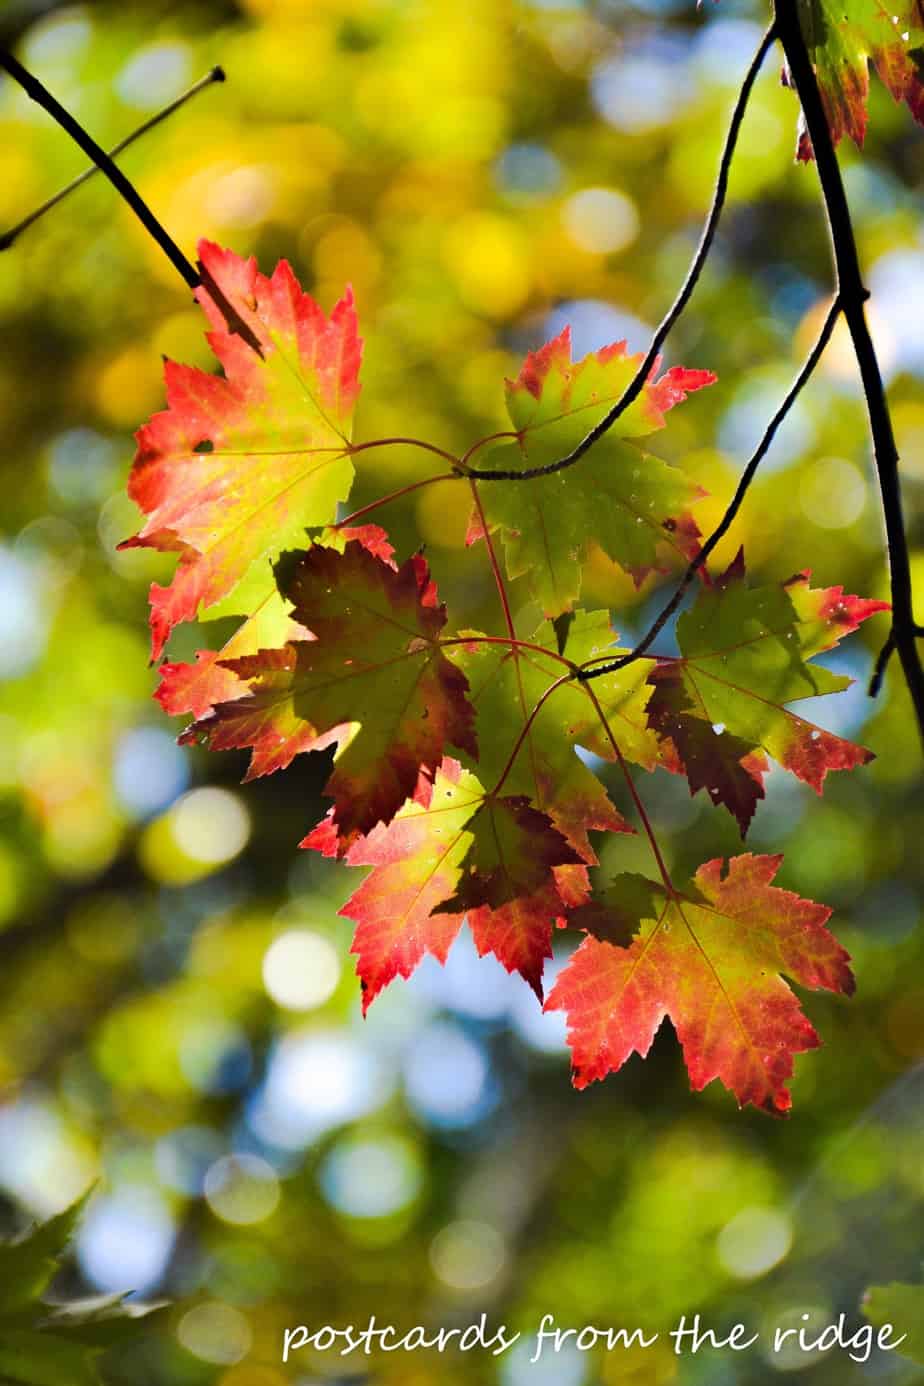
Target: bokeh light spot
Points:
(301, 970)
(126, 1240)
(446, 1077)
(150, 770)
(755, 1241)
(467, 1255)
(210, 825)
(241, 1189)
(370, 1178)
(832, 493)
(215, 1333)
(601, 220)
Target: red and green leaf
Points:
(711, 959)
(744, 659)
(627, 503)
(238, 465)
(373, 680)
(843, 38)
(452, 849)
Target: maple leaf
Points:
(843, 37)
(452, 848)
(629, 504)
(728, 768)
(506, 684)
(373, 681)
(196, 688)
(237, 466)
(744, 656)
(509, 887)
(712, 959)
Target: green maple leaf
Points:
(622, 500)
(506, 684)
(744, 658)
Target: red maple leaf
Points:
(237, 466)
(373, 680)
(711, 960)
(452, 849)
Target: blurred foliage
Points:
(899, 1304)
(50, 1344)
(178, 1016)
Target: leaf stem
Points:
(476, 639)
(9, 237)
(495, 566)
(483, 442)
(392, 496)
(636, 797)
(525, 729)
(853, 295)
(650, 360)
(409, 443)
(722, 528)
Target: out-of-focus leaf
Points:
(903, 1307)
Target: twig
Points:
(525, 730)
(882, 659)
(364, 510)
(721, 529)
(635, 386)
(7, 238)
(191, 275)
(496, 570)
(43, 97)
(853, 294)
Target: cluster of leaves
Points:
(463, 774)
(53, 1344)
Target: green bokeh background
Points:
(481, 173)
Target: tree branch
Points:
(853, 294)
(635, 386)
(721, 529)
(43, 97)
(191, 276)
(8, 238)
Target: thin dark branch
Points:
(853, 295)
(882, 660)
(7, 238)
(722, 528)
(635, 386)
(190, 275)
(43, 97)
